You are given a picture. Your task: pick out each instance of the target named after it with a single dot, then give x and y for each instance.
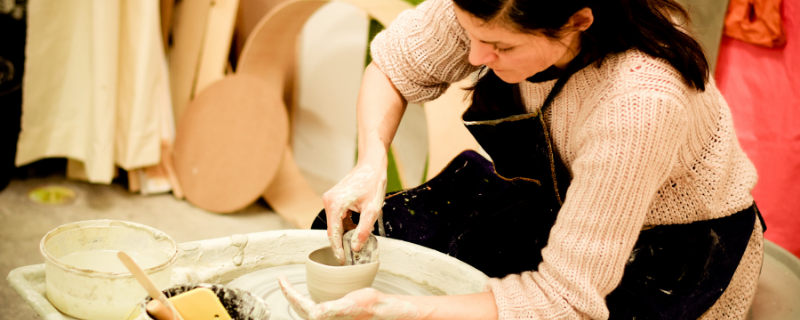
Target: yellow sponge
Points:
(199, 304)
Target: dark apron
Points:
(497, 216)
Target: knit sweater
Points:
(642, 149)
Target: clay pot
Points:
(327, 280)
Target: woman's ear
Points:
(581, 20)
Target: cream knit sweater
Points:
(642, 148)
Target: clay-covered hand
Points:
(362, 190)
(364, 304)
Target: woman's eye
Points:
(505, 49)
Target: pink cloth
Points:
(762, 88)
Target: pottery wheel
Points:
(264, 283)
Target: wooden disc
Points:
(229, 143)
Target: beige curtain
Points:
(94, 83)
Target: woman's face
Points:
(514, 56)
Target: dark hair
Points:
(619, 25)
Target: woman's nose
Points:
(481, 53)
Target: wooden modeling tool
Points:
(147, 283)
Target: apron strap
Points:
(577, 63)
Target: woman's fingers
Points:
(335, 232)
(306, 308)
(373, 207)
(336, 210)
(302, 305)
(365, 227)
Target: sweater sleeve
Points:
(423, 51)
(625, 151)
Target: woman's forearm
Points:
(463, 307)
(380, 108)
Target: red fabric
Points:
(762, 87)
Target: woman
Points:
(617, 189)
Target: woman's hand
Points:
(362, 190)
(379, 108)
(360, 304)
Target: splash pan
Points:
(264, 284)
(221, 260)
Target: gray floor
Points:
(23, 223)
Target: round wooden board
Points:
(230, 143)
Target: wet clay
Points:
(369, 251)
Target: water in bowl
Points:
(106, 260)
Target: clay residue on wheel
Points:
(425, 285)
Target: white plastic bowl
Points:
(91, 294)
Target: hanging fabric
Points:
(94, 84)
(761, 87)
(756, 21)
